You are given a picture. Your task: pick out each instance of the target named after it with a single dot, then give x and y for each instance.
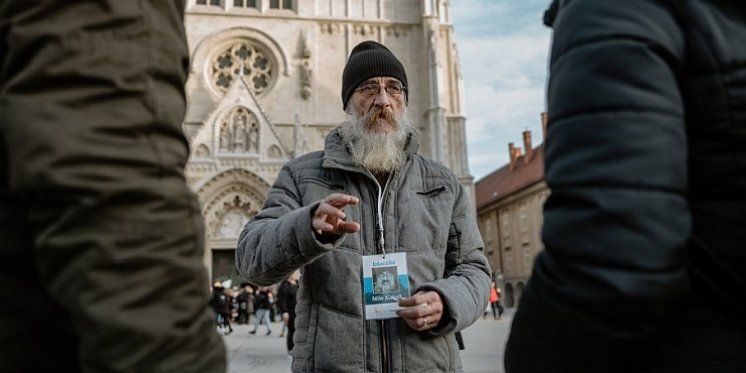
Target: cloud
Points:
(503, 49)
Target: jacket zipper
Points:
(381, 244)
(384, 348)
(382, 249)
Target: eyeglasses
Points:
(370, 90)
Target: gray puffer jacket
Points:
(426, 214)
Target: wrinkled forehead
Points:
(381, 80)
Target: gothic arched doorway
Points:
(229, 200)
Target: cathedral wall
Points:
(328, 42)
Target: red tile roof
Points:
(503, 182)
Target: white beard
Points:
(378, 152)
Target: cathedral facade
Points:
(265, 86)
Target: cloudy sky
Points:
(503, 47)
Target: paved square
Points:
(485, 342)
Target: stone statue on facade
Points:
(240, 140)
(225, 138)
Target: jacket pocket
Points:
(313, 189)
(324, 183)
(432, 192)
(338, 346)
(424, 217)
(424, 352)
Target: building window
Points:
(281, 4)
(488, 232)
(505, 231)
(527, 259)
(524, 220)
(244, 3)
(243, 58)
(509, 264)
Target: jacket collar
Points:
(337, 153)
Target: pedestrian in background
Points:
(262, 302)
(286, 304)
(497, 308)
(245, 301)
(96, 217)
(220, 304)
(645, 262)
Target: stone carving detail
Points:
(305, 79)
(331, 27)
(370, 30)
(274, 151)
(225, 137)
(239, 132)
(232, 224)
(244, 59)
(363, 29)
(305, 69)
(457, 62)
(202, 151)
(433, 41)
(397, 31)
(233, 217)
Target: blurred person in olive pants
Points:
(96, 219)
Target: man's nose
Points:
(382, 99)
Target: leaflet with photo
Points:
(385, 281)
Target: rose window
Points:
(242, 58)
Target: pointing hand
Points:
(329, 217)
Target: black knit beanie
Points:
(368, 60)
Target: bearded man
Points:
(368, 199)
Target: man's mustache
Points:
(385, 114)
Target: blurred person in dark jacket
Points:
(286, 300)
(262, 302)
(645, 259)
(221, 304)
(245, 301)
(95, 212)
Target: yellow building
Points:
(509, 205)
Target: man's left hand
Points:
(424, 312)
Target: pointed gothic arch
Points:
(237, 131)
(230, 197)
